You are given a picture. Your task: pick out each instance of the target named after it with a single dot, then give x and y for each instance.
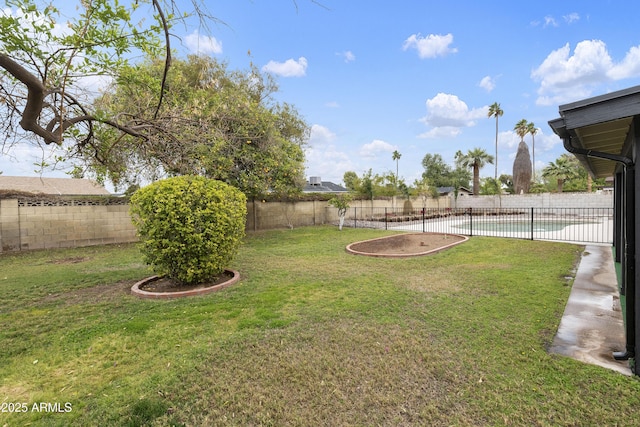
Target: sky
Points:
(418, 77)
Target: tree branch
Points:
(35, 99)
(167, 59)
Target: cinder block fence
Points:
(56, 222)
(27, 224)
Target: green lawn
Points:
(310, 336)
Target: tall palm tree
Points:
(476, 159)
(396, 156)
(522, 128)
(495, 111)
(562, 169)
(533, 130)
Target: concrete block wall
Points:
(544, 200)
(273, 215)
(9, 225)
(29, 224)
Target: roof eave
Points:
(605, 111)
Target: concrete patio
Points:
(592, 328)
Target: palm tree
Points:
(562, 169)
(495, 111)
(532, 129)
(521, 128)
(476, 159)
(396, 156)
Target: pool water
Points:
(519, 226)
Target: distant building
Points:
(448, 191)
(51, 186)
(316, 185)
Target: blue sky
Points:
(418, 76)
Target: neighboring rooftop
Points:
(316, 185)
(445, 191)
(52, 186)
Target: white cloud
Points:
(629, 67)
(565, 77)
(197, 43)
(448, 111)
(590, 61)
(487, 83)
(289, 68)
(550, 21)
(376, 146)
(328, 162)
(571, 18)
(323, 158)
(320, 135)
(431, 46)
(547, 142)
(332, 104)
(347, 55)
(443, 132)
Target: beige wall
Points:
(27, 224)
(601, 199)
(9, 225)
(272, 215)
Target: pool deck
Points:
(592, 328)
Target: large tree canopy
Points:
(152, 120)
(213, 122)
(439, 174)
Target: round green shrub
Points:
(190, 227)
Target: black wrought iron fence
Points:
(581, 225)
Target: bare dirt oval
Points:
(145, 288)
(406, 245)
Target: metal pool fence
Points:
(579, 225)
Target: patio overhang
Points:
(596, 130)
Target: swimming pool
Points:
(519, 226)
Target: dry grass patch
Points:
(331, 373)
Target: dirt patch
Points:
(71, 260)
(167, 285)
(93, 294)
(156, 287)
(404, 245)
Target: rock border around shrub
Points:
(137, 290)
